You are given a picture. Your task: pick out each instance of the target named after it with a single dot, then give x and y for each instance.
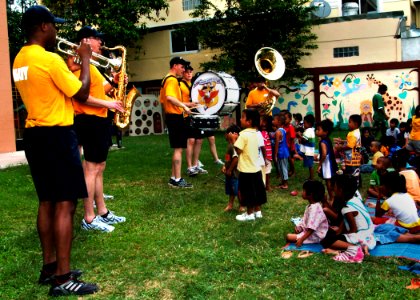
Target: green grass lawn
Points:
(179, 244)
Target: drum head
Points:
(209, 91)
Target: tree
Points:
(244, 26)
(14, 17)
(121, 20)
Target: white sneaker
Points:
(96, 224)
(258, 214)
(111, 219)
(245, 217)
(200, 164)
(200, 170)
(219, 162)
(108, 197)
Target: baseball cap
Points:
(178, 60)
(38, 14)
(89, 31)
(189, 68)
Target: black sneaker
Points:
(73, 287)
(181, 184)
(46, 278)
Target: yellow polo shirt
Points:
(171, 88)
(257, 96)
(97, 83)
(46, 86)
(185, 91)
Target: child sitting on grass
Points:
(355, 234)
(382, 164)
(251, 185)
(374, 149)
(327, 164)
(393, 129)
(314, 225)
(230, 167)
(401, 203)
(308, 144)
(281, 151)
(412, 181)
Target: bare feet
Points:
(284, 187)
(242, 208)
(330, 251)
(229, 207)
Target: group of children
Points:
(345, 228)
(340, 221)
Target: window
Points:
(190, 4)
(182, 42)
(346, 52)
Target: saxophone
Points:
(123, 119)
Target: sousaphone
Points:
(270, 64)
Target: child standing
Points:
(266, 127)
(251, 186)
(290, 140)
(308, 144)
(298, 122)
(281, 151)
(414, 138)
(230, 167)
(393, 129)
(351, 149)
(314, 225)
(327, 164)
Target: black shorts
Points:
(193, 133)
(177, 130)
(252, 189)
(93, 134)
(54, 160)
(331, 238)
(208, 133)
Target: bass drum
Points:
(216, 92)
(205, 122)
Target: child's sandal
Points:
(286, 254)
(305, 254)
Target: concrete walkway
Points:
(11, 159)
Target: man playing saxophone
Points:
(92, 129)
(261, 96)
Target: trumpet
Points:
(99, 61)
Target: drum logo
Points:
(208, 92)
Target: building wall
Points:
(7, 131)
(374, 37)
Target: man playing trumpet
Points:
(93, 133)
(260, 95)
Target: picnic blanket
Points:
(402, 250)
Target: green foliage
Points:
(243, 27)
(179, 244)
(14, 17)
(122, 21)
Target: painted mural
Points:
(299, 98)
(341, 95)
